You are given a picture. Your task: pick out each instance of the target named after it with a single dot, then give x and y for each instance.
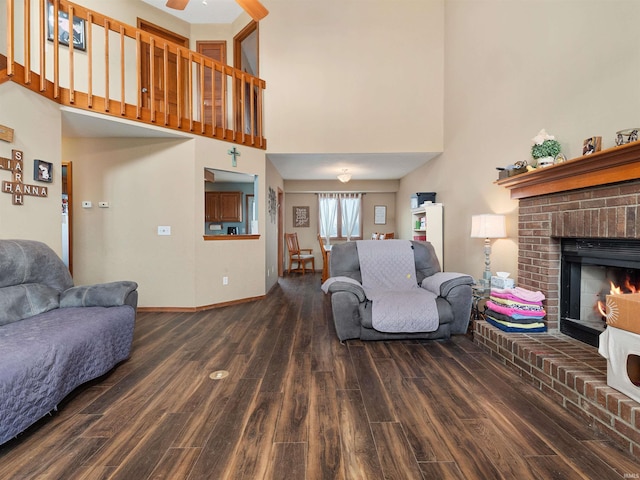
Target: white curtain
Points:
(350, 207)
(328, 207)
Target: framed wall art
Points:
(300, 216)
(42, 171)
(380, 215)
(77, 32)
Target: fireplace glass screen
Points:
(590, 270)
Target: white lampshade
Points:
(488, 225)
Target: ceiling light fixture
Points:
(344, 177)
(204, 2)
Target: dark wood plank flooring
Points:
(298, 404)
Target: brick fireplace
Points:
(597, 196)
(591, 197)
(611, 211)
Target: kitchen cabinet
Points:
(223, 206)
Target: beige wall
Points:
(352, 76)
(151, 183)
(38, 218)
(511, 69)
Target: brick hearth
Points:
(593, 197)
(569, 372)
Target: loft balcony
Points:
(118, 70)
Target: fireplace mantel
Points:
(616, 164)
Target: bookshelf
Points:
(427, 225)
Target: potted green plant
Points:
(544, 149)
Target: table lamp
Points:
(487, 226)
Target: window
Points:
(340, 215)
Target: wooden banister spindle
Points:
(190, 89)
(152, 75)
(72, 48)
(138, 75)
(42, 43)
(213, 98)
(10, 39)
(123, 109)
(89, 60)
(260, 136)
(27, 43)
(223, 70)
(179, 87)
(165, 81)
(201, 99)
(252, 112)
(107, 26)
(56, 52)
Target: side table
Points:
(479, 294)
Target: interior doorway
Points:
(216, 50)
(246, 56)
(67, 217)
(159, 83)
(280, 234)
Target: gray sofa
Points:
(54, 336)
(352, 311)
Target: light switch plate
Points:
(165, 230)
(86, 204)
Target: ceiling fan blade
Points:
(177, 4)
(254, 8)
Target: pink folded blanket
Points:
(518, 311)
(522, 293)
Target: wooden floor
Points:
(297, 404)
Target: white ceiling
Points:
(215, 11)
(361, 166)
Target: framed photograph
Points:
(591, 145)
(79, 29)
(380, 215)
(42, 171)
(300, 216)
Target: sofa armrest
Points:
(344, 284)
(455, 288)
(442, 283)
(101, 295)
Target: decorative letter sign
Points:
(16, 187)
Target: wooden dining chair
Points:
(296, 256)
(325, 259)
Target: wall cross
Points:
(235, 153)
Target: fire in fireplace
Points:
(590, 270)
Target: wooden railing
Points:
(119, 70)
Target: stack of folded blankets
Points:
(516, 310)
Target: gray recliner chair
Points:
(352, 310)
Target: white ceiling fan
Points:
(254, 8)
